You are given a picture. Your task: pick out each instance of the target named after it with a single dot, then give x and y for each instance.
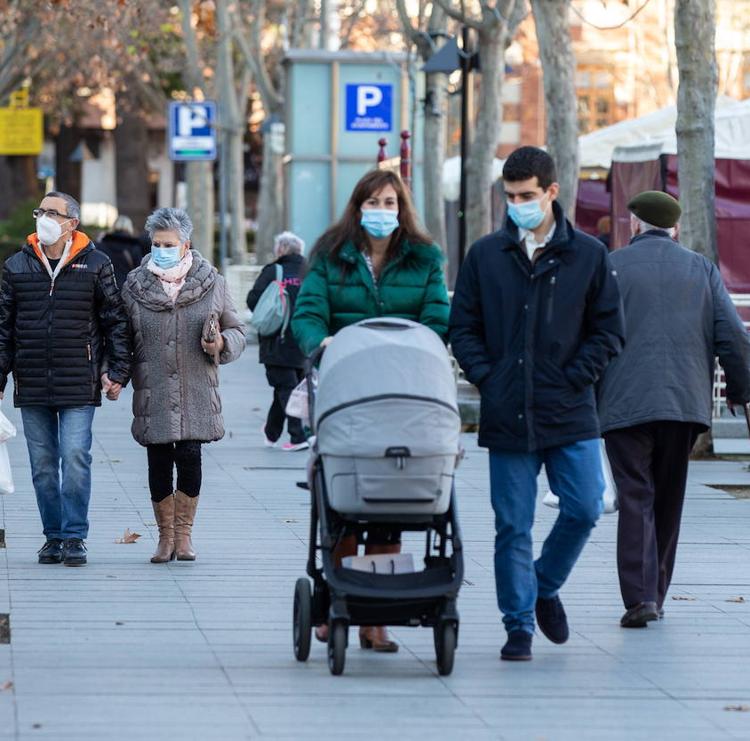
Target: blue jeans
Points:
(60, 438)
(575, 476)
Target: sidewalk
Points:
(123, 649)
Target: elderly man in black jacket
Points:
(655, 398)
(536, 317)
(60, 318)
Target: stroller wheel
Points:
(302, 627)
(444, 634)
(337, 638)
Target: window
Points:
(596, 98)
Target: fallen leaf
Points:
(128, 537)
(6, 686)
(738, 708)
(290, 521)
(680, 598)
(735, 599)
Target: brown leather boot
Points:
(164, 514)
(376, 636)
(184, 515)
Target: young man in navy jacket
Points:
(536, 317)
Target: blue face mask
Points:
(379, 223)
(165, 257)
(528, 215)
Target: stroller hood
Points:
(386, 384)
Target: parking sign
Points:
(369, 107)
(192, 131)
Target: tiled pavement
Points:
(123, 649)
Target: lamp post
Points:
(449, 59)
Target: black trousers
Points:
(283, 380)
(184, 455)
(650, 465)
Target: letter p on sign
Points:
(368, 96)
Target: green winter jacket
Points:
(410, 287)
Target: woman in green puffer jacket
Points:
(374, 262)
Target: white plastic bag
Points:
(299, 403)
(6, 475)
(610, 490)
(7, 428)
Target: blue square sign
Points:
(192, 131)
(369, 107)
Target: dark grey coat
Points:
(176, 384)
(678, 318)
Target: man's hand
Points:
(214, 347)
(326, 341)
(110, 388)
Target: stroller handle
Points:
(313, 359)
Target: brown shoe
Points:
(164, 514)
(184, 515)
(376, 638)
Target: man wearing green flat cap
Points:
(655, 397)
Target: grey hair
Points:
(645, 227)
(123, 224)
(71, 205)
(290, 241)
(170, 219)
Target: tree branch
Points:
(457, 15)
(193, 72)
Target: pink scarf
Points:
(172, 279)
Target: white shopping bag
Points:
(299, 403)
(6, 475)
(7, 428)
(610, 490)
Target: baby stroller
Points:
(387, 440)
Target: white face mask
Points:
(48, 230)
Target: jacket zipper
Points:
(551, 300)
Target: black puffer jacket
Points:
(275, 349)
(125, 252)
(536, 338)
(54, 338)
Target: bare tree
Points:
(200, 175)
(433, 146)
(495, 28)
(695, 32)
(558, 66)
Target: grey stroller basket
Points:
(386, 420)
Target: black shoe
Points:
(661, 613)
(518, 646)
(51, 551)
(551, 619)
(640, 615)
(74, 552)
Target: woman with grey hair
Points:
(184, 325)
(279, 352)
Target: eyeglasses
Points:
(37, 212)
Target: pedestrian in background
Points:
(656, 397)
(122, 247)
(375, 261)
(536, 317)
(61, 322)
(279, 352)
(184, 325)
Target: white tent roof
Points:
(658, 129)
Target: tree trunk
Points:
(200, 186)
(558, 65)
(232, 129)
(270, 200)
(67, 173)
(18, 183)
(131, 163)
(433, 158)
(492, 42)
(695, 29)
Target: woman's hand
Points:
(326, 341)
(213, 347)
(110, 388)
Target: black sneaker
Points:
(51, 551)
(518, 646)
(640, 615)
(551, 619)
(74, 552)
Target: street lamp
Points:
(450, 58)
